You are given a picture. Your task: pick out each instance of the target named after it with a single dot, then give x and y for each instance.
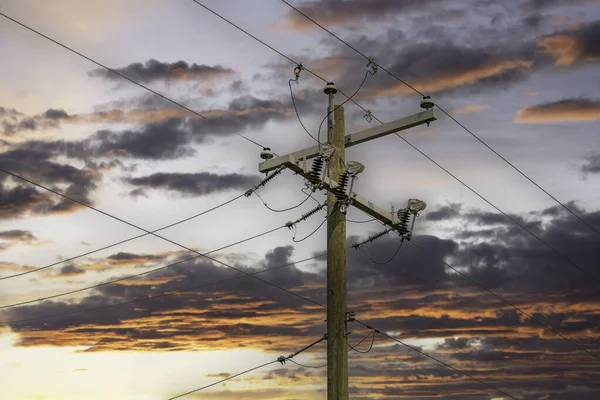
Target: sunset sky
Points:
(522, 75)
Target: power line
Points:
(573, 263)
(121, 75)
(140, 274)
(389, 260)
(317, 228)
(284, 209)
(139, 300)
(354, 347)
(280, 359)
(149, 232)
(122, 241)
(414, 147)
(308, 366)
(482, 287)
(223, 380)
(296, 110)
(439, 361)
(274, 49)
(453, 119)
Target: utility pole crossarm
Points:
(330, 185)
(424, 117)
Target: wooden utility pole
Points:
(340, 195)
(337, 354)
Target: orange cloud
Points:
(565, 48)
(468, 109)
(435, 84)
(569, 110)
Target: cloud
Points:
(13, 121)
(153, 70)
(567, 110)
(15, 237)
(570, 47)
(470, 108)
(339, 13)
(414, 296)
(195, 184)
(592, 165)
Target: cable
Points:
(406, 141)
(122, 241)
(340, 105)
(308, 366)
(318, 227)
(222, 380)
(149, 232)
(373, 333)
(285, 209)
(296, 109)
(121, 75)
(388, 261)
(439, 361)
(280, 359)
(475, 282)
(139, 300)
(137, 275)
(274, 49)
(361, 222)
(502, 212)
(453, 119)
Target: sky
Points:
(521, 75)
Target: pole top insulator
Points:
(330, 88)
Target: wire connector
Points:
(297, 70)
(368, 116)
(374, 67)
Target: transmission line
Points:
(149, 232)
(453, 119)
(410, 144)
(281, 359)
(121, 75)
(421, 352)
(142, 299)
(518, 309)
(140, 274)
(122, 241)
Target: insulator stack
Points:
(340, 191)
(404, 219)
(377, 236)
(269, 178)
(311, 212)
(314, 176)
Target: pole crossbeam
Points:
(411, 121)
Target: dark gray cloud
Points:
(13, 121)
(15, 236)
(444, 213)
(565, 110)
(414, 295)
(574, 46)
(592, 165)
(153, 70)
(335, 13)
(195, 184)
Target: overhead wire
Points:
(383, 262)
(122, 241)
(223, 380)
(317, 228)
(285, 209)
(110, 282)
(354, 347)
(450, 366)
(296, 109)
(142, 229)
(162, 295)
(571, 262)
(178, 104)
(568, 209)
(518, 309)
(281, 359)
(308, 366)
